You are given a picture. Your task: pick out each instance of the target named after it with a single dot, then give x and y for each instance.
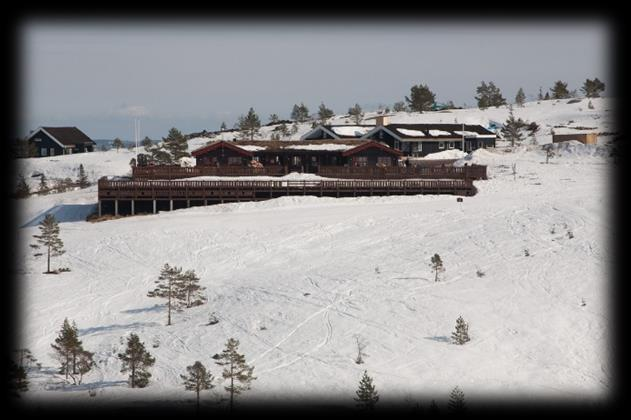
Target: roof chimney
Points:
(381, 120)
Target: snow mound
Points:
(574, 148)
(447, 154)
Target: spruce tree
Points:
(513, 127)
(250, 124)
(593, 88)
(324, 113)
(461, 335)
(118, 143)
(170, 287)
(223, 126)
(236, 370)
(22, 190)
(421, 98)
(146, 143)
(367, 395)
(136, 360)
(300, 113)
(540, 96)
(437, 265)
(547, 97)
(489, 95)
(18, 380)
(83, 178)
(356, 113)
(273, 118)
(43, 185)
(520, 98)
(176, 145)
(197, 379)
(456, 402)
(49, 238)
(192, 289)
(560, 91)
(399, 106)
(70, 352)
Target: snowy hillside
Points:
(297, 279)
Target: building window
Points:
(52, 151)
(295, 160)
(451, 144)
(480, 144)
(361, 161)
(384, 161)
(380, 135)
(234, 160)
(441, 144)
(44, 151)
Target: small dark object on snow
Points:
(306, 294)
(216, 356)
(459, 199)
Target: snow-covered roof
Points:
(436, 133)
(322, 147)
(351, 130)
(252, 148)
(409, 132)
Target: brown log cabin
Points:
(302, 156)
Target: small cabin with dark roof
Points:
(52, 141)
(303, 155)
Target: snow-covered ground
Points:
(296, 279)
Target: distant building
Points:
(585, 138)
(52, 141)
(411, 139)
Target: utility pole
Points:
(463, 137)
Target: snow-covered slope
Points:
(297, 279)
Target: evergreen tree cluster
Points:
(593, 88)
(489, 95)
(421, 98)
(172, 148)
(75, 360)
(181, 289)
(300, 113)
(356, 113)
(249, 124)
(136, 360)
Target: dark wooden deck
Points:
(352, 172)
(135, 196)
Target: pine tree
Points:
(198, 379)
(489, 95)
(324, 113)
(512, 129)
(273, 118)
(250, 124)
(367, 395)
(300, 113)
(70, 353)
(461, 335)
(547, 97)
(22, 190)
(399, 106)
(24, 358)
(170, 287)
(559, 90)
(136, 360)
(421, 98)
(437, 265)
(18, 380)
(236, 369)
(146, 143)
(520, 98)
(192, 289)
(83, 178)
(49, 238)
(456, 402)
(223, 126)
(356, 113)
(593, 88)
(540, 96)
(176, 145)
(43, 185)
(118, 143)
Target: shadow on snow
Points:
(64, 213)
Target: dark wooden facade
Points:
(55, 144)
(222, 154)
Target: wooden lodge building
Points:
(51, 141)
(300, 156)
(411, 139)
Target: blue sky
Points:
(100, 75)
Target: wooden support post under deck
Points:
(100, 208)
(171, 205)
(205, 202)
(154, 206)
(188, 203)
(132, 208)
(115, 207)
